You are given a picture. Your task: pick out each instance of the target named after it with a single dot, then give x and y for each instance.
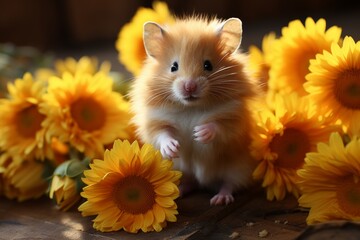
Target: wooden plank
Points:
(250, 214)
(247, 217)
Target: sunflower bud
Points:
(66, 183)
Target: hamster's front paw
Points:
(205, 133)
(169, 147)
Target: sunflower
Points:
(24, 180)
(297, 45)
(330, 181)
(130, 40)
(282, 139)
(133, 188)
(260, 60)
(22, 134)
(83, 110)
(334, 80)
(84, 65)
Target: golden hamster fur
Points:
(191, 102)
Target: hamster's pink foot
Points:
(222, 199)
(205, 133)
(224, 196)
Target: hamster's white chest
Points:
(183, 122)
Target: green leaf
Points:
(75, 168)
(62, 168)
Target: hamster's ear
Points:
(231, 34)
(152, 35)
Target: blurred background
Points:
(90, 27)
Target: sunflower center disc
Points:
(28, 121)
(348, 196)
(88, 114)
(291, 148)
(347, 89)
(134, 194)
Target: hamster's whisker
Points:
(263, 85)
(161, 78)
(228, 87)
(223, 76)
(222, 58)
(159, 96)
(226, 81)
(164, 102)
(219, 70)
(221, 95)
(222, 69)
(222, 72)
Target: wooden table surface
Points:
(250, 215)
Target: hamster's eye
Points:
(174, 67)
(208, 66)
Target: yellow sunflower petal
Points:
(159, 213)
(166, 189)
(298, 44)
(21, 130)
(282, 139)
(330, 186)
(333, 80)
(143, 201)
(148, 220)
(85, 120)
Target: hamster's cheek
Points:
(178, 89)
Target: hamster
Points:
(191, 102)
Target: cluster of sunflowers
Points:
(56, 122)
(66, 132)
(307, 142)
